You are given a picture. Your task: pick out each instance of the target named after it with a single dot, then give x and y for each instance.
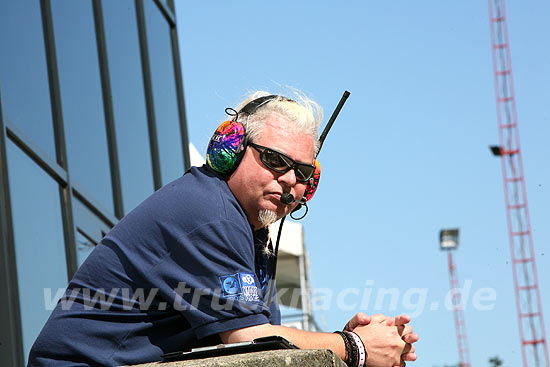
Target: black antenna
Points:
(332, 119)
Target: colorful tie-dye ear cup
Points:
(226, 147)
(313, 182)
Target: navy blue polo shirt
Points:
(182, 267)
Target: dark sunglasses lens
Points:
(275, 161)
(303, 172)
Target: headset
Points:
(230, 140)
(228, 144)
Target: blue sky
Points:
(409, 153)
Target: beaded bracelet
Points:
(347, 345)
(352, 349)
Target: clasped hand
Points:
(388, 340)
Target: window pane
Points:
(164, 93)
(129, 101)
(39, 242)
(82, 99)
(23, 72)
(90, 230)
(84, 247)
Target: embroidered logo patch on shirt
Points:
(250, 291)
(241, 286)
(231, 286)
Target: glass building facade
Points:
(92, 121)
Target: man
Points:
(191, 265)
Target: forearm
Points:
(303, 339)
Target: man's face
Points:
(257, 187)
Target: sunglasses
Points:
(282, 163)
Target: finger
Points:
(411, 357)
(408, 349)
(404, 330)
(379, 318)
(383, 319)
(411, 338)
(359, 319)
(402, 319)
(363, 319)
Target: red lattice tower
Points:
(531, 323)
(458, 308)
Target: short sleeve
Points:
(209, 276)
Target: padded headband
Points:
(252, 106)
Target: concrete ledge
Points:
(275, 358)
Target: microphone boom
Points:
(287, 198)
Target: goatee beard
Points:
(267, 217)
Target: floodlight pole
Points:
(448, 241)
(458, 311)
